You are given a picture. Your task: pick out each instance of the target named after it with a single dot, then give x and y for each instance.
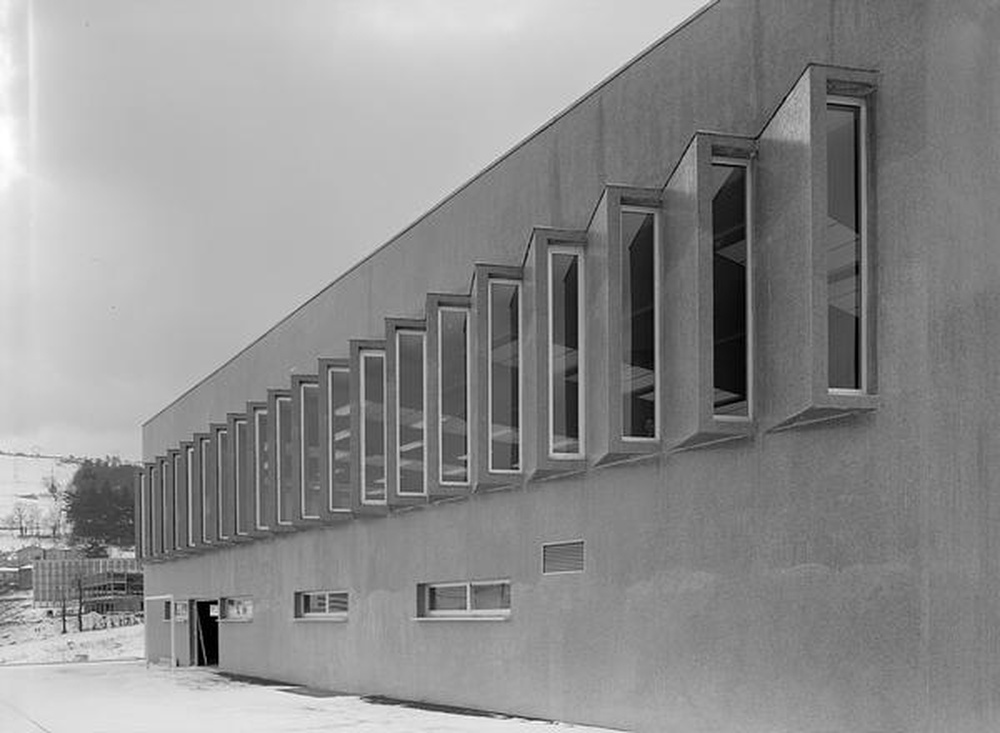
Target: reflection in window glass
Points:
(239, 473)
(729, 288)
(339, 445)
(638, 324)
(505, 375)
(447, 597)
(410, 411)
(285, 452)
(221, 476)
(453, 390)
(844, 247)
(373, 427)
(260, 464)
(309, 458)
(564, 353)
(490, 596)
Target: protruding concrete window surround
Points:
(624, 282)
(223, 474)
(406, 411)
(482, 599)
(322, 605)
(285, 491)
(179, 475)
(450, 407)
(308, 465)
(499, 391)
(555, 437)
(167, 500)
(235, 515)
(335, 435)
(148, 480)
(708, 314)
(368, 423)
(259, 464)
(816, 329)
(206, 515)
(190, 480)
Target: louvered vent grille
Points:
(562, 557)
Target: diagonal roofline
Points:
(448, 197)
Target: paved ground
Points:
(129, 697)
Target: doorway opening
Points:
(205, 633)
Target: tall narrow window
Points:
(165, 508)
(203, 447)
(410, 412)
(189, 466)
(310, 478)
(239, 473)
(178, 493)
(639, 323)
(284, 455)
(453, 395)
(730, 286)
(338, 428)
(260, 464)
(221, 476)
(144, 516)
(845, 245)
(565, 365)
(373, 427)
(505, 375)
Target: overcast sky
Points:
(178, 175)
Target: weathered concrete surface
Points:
(841, 577)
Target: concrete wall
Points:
(836, 577)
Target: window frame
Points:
(861, 104)
(466, 311)
(578, 252)
(541, 557)
(747, 164)
(276, 462)
(366, 353)
(307, 383)
(259, 440)
(301, 615)
(630, 208)
(220, 468)
(204, 446)
(422, 334)
(328, 368)
(241, 618)
(497, 280)
(469, 613)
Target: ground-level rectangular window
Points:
(504, 325)
(846, 265)
(260, 463)
(285, 454)
(338, 430)
(167, 608)
(730, 288)
(453, 395)
(639, 309)
(562, 557)
(483, 598)
(373, 427)
(180, 611)
(411, 412)
(311, 481)
(237, 609)
(565, 364)
(325, 604)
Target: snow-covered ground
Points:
(129, 697)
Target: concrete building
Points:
(681, 416)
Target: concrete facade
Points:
(829, 566)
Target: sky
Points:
(176, 176)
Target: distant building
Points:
(8, 577)
(56, 580)
(113, 591)
(31, 553)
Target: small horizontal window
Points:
(488, 598)
(321, 604)
(562, 557)
(237, 609)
